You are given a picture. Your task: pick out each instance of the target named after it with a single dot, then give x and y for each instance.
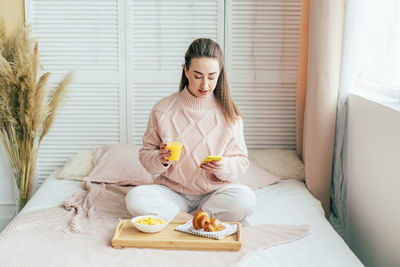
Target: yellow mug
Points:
(175, 146)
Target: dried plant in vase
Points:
(27, 106)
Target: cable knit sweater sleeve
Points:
(234, 162)
(149, 153)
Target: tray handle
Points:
(117, 232)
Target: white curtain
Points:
(381, 47)
(370, 55)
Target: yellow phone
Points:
(212, 158)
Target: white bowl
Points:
(149, 228)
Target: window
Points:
(380, 53)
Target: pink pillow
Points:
(118, 164)
(257, 177)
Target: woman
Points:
(208, 122)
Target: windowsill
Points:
(371, 92)
(379, 99)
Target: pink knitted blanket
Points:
(79, 234)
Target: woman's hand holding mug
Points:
(164, 154)
(170, 150)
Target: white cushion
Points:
(77, 167)
(280, 162)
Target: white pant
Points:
(232, 202)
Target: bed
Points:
(286, 202)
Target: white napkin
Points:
(188, 228)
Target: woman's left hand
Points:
(212, 166)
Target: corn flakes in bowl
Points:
(149, 223)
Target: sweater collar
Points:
(193, 102)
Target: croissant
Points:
(215, 225)
(201, 220)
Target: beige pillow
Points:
(280, 162)
(257, 177)
(77, 167)
(118, 164)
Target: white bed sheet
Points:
(286, 202)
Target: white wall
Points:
(7, 189)
(13, 13)
(373, 164)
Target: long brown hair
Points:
(204, 47)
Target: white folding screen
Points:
(84, 36)
(159, 33)
(262, 44)
(128, 54)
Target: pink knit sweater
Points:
(203, 130)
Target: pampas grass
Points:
(27, 107)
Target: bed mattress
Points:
(286, 202)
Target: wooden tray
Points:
(126, 235)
